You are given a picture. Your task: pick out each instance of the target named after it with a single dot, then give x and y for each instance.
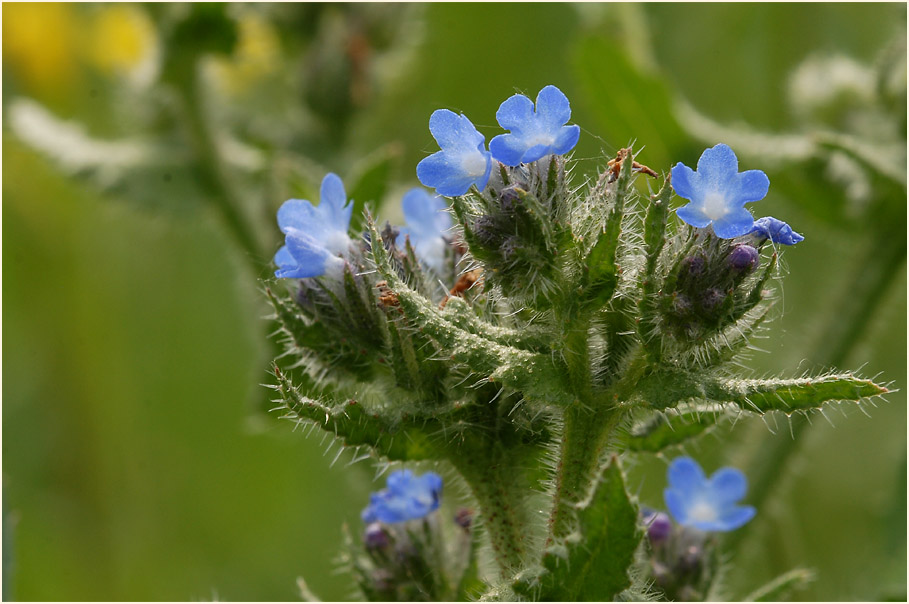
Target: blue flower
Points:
(315, 236)
(427, 221)
(535, 133)
(463, 160)
(407, 497)
(706, 504)
(718, 192)
(776, 231)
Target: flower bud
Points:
(375, 536)
(484, 229)
(742, 258)
(681, 305)
(694, 266)
(509, 199)
(659, 528)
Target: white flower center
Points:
(473, 164)
(715, 206)
(541, 139)
(336, 242)
(702, 511)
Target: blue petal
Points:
(737, 222)
(298, 214)
(311, 257)
(515, 113)
(424, 212)
(566, 140)
(735, 516)
(717, 167)
(751, 185)
(452, 131)
(728, 485)
(332, 200)
(685, 182)
(284, 259)
(401, 239)
(686, 475)
(536, 152)
(677, 504)
(553, 108)
(693, 214)
(444, 172)
(508, 148)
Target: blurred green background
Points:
(146, 149)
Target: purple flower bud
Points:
(509, 199)
(375, 537)
(712, 298)
(659, 528)
(694, 266)
(742, 258)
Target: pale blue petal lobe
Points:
(297, 214)
(677, 504)
(515, 112)
(684, 181)
(536, 152)
(508, 149)
(729, 484)
(736, 517)
(752, 185)
(736, 223)
(685, 474)
(566, 140)
(553, 108)
(717, 166)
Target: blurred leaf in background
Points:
(147, 147)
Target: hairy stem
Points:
(211, 171)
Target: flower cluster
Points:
(718, 192)
(708, 504)
(407, 497)
(316, 236)
(535, 132)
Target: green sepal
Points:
(602, 276)
(592, 563)
(675, 426)
(532, 373)
(781, 587)
(399, 439)
(654, 240)
(667, 388)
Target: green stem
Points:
(500, 493)
(211, 171)
(585, 433)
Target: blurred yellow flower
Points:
(38, 44)
(256, 55)
(119, 38)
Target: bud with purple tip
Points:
(743, 258)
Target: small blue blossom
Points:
(407, 497)
(535, 132)
(706, 504)
(463, 160)
(314, 235)
(427, 221)
(776, 231)
(718, 192)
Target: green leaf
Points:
(602, 271)
(781, 587)
(666, 388)
(399, 440)
(592, 564)
(654, 240)
(676, 426)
